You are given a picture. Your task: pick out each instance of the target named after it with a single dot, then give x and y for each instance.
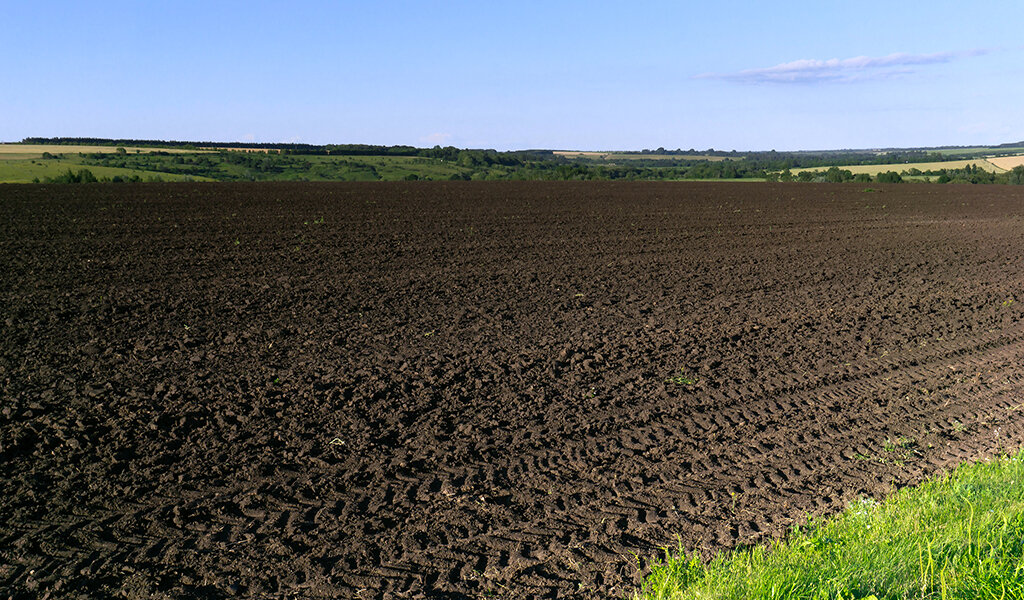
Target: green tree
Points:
(69, 176)
(837, 175)
(468, 158)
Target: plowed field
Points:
(456, 390)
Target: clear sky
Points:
(594, 75)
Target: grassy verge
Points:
(26, 170)
(959, 535)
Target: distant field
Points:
(8, 151)
(980, 150)
(371, 168)
(236, 149)
(24, 167)
(898, 167)
(25, 170)
(398, 167)
(732, 179)
(631, 156)
(1007, 162)
(22, 163)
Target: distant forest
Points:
(363, 162)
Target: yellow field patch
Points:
(1007, 162)
(900, 167)
(16, 151)
(236, 149)
(630, 156)
(573, 154)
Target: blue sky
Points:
(586, 75)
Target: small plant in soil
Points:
(682, 379)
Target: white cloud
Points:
(436, 139)
(844, 70)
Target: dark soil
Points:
(456, 390)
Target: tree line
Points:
(350, 162)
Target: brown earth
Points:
(457, 390)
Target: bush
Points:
(82, 176)
(889, 177)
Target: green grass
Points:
(394, 168)
(959, 535)
(22, 170)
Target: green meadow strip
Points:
(958, 535)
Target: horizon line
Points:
(659, 149)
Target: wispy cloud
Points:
(436, 138)
(842, 70)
